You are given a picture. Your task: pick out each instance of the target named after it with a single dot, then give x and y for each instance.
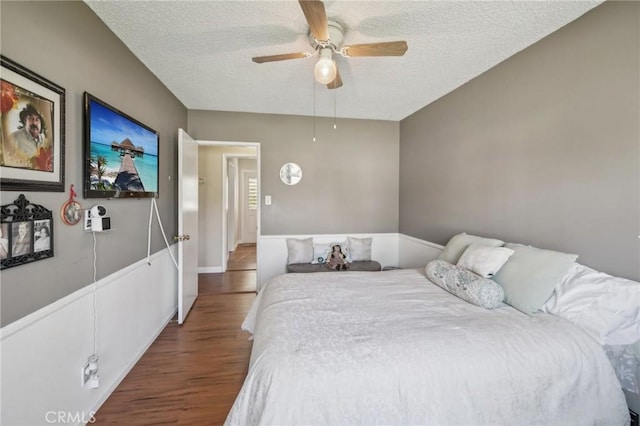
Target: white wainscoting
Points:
(43, 353)
(390, 249)
(416, 253)
(272, 251)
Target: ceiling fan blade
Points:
(283, 57)
(337, 82)
(389, 48)
(316, 18)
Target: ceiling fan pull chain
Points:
(335, 96)
(314, 109)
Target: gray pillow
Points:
(459, 243)
(465, 284)
(359, 249)
(300, 251)
(530, 275)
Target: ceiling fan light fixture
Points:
(325, 70)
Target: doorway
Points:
(229, 253)
(240, 201)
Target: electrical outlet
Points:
(94, 382)
(87, 220)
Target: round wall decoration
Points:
(290, 173)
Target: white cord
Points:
(149, 233)
(335, 96)
(95, 298)
(154, 205)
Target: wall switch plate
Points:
(267, 200)
(94, 382)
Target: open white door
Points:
(187, 224)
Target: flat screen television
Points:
(121, 153)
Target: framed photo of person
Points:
(4, 241)
(26, 233)
(41, 235)
(32, 140)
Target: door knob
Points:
(181, 237)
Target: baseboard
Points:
(209, 269)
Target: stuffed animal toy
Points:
(337, 259)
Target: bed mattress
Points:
(361, 348)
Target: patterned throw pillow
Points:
(465, 284)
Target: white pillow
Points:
(484, 260)
(459, 243)
(359, 249)
(300, 251)
(604, 306)
(320, 251)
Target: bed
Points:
(625, 360)
(393, 348)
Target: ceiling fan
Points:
(326, 38)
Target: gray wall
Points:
(66, 43)
(349, 175)
(543, 149)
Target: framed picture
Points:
(41, 235)
(32, 123)
(26, 233)
(4, 241)
(21, 238)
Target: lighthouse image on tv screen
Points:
(122, 160)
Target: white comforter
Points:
(391, 348)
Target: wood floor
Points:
(243, 258)
(192, 373)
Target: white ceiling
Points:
(202, 50)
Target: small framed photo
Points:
(32, 140)
(5, 248)
(21, 238)
(41, 235)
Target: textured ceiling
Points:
(202, 50)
